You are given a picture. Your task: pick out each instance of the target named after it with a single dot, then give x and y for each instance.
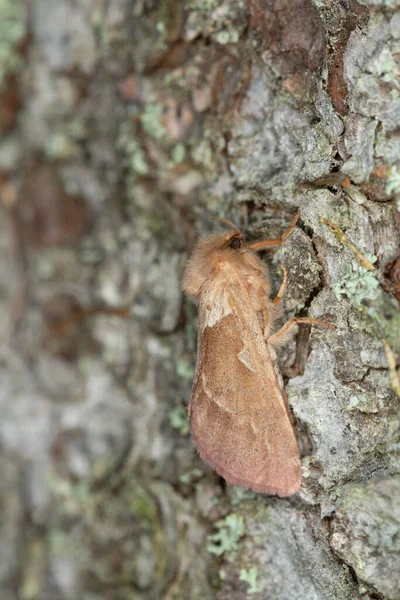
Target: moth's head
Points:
(209, 254)
(222, 244)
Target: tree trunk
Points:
(126, 128)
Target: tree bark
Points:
(126, 128)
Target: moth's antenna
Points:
(227, 223)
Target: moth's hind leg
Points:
(282, 289)
(273, 309)
(289, 329)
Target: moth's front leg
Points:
(289, 329)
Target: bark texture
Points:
(126, 126)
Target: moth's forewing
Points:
(238, 418)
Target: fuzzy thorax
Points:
(209, 257)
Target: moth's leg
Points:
(272, 309)
(277, 241)
(289, 328)
(282, 289)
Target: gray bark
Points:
(125, 128)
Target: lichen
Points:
(151, 120)
(388, 3)
(393, 181)
(134, 157)
(377, 311)
(178, 419)
(191, 476)
(384, 65)
(184, 369)
(358, 284)
(12, 30)
(250, 576)
(178, 153)
(227, 37)
(63, 143)
(225, 540)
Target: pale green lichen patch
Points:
(250, 576)
(358, 284)
(184, 369)
(368, 403)
(12, 30)
(378, 312)
(134, 158)
(239, 495)
(191, 476)
(63, 143)
(178, 153)
(388, 3)
(178, 419)
(393, 181)
(227, 37)
(384, 65)
(226, 539)
(151, 120)
(223, 22)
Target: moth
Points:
(239, 415)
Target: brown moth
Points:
(239, 415)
